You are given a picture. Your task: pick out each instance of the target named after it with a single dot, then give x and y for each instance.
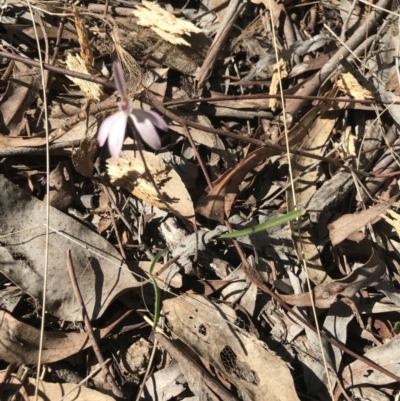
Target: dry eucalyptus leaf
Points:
(164, 24)
(19, 342)
(324, 295)
(386, 356)
(20, 142)
(21, 92)
(347, 224)
(165, 384)
(336, 322)
(218, 202)
(128, 172)
(100, 271)
(209, 329)
(86, 129)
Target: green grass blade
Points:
(265, 226)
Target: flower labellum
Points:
(113, 127)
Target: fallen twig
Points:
(109, 378)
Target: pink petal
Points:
(105, 127)
(117, 134)
(119, 79)
(146, 129)
(157, 120)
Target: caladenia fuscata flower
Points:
(113, 127)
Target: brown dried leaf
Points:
(324, 296)
(347, 224)
(101, 273)
(85, 129)
(21, 91)
(19, 142)
(386, 355)
(19, 342)
(219, 200)
(209, 329)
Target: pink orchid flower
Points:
(113, 127)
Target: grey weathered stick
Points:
(116, 391)
(347, 20)
(310, 87)
(232, 13)
(288, 30)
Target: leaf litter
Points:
(270, 106)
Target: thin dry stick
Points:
(6, 376)
(58, 70)
(105, 9)
(356, 39)
(55, 53)
(58, 41)
(214, 9)
(165, 267)
(196, 153)
(346, 22)
(47, 231)
(109, 84)
(110, 210)
(147, 373)
(232, 13)
(88, 327)
(295, 205)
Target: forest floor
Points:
(199, 200)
